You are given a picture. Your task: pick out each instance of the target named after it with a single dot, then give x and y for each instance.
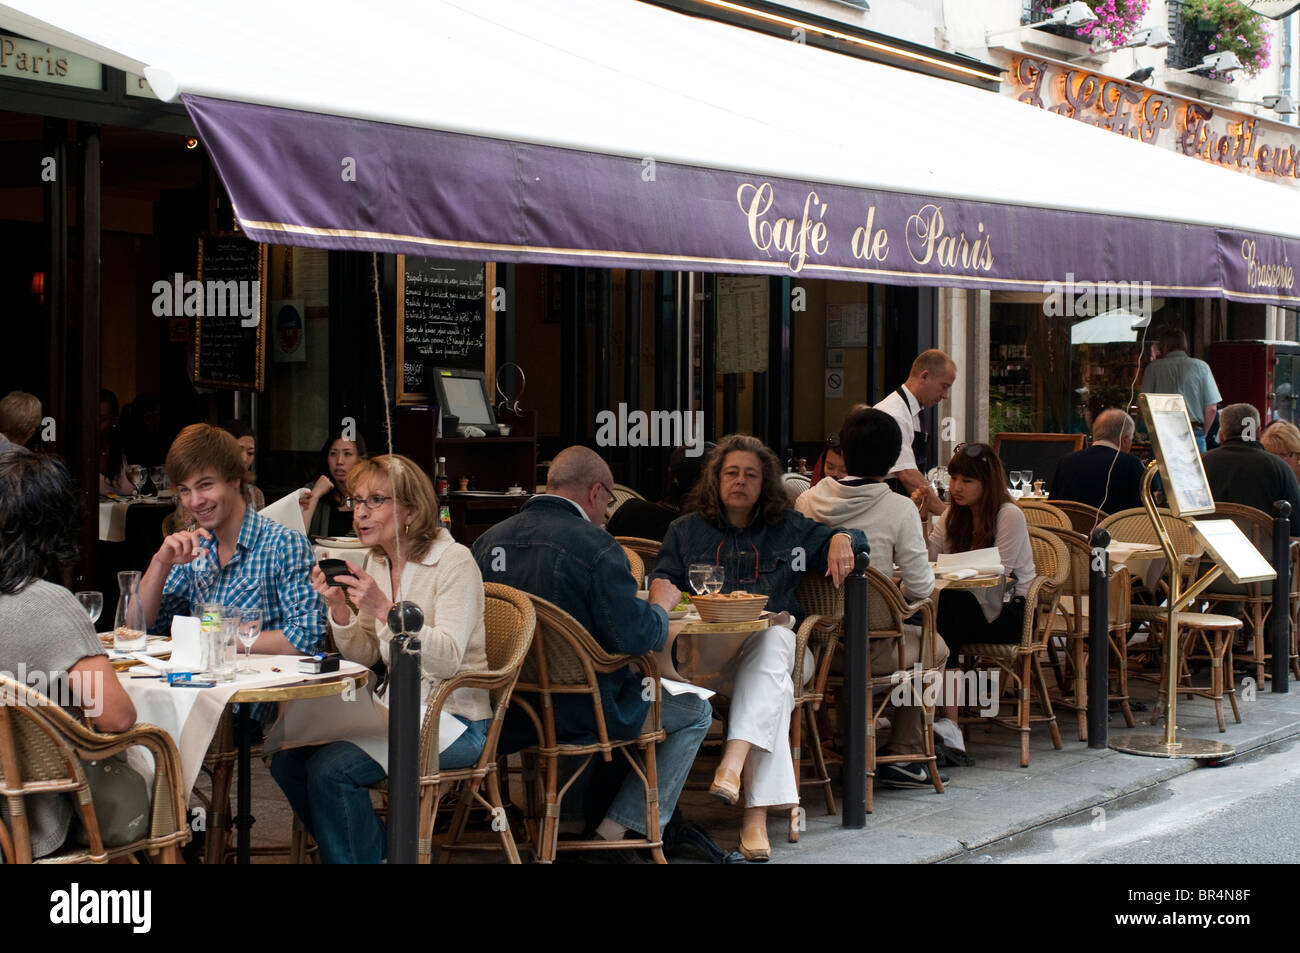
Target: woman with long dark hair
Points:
(324, 505)
(739, 516)
(981, 514)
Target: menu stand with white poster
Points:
(1178, 460)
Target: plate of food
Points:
(339, 542)
(739, 606)
(682, 609)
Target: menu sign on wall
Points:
(442, 320)
(1225, 137)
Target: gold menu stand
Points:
(1169, 744)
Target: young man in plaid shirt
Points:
(263, 565)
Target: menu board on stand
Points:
(230, 327)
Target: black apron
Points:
(920, 443)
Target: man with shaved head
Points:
(556, 548)
(929, 381)
(1105, 475)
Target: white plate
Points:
(339, 542)
(679, 613)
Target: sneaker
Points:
(952, 757)
(912, 774)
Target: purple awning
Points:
(324, 181)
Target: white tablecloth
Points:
(191, 715)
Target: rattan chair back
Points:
(1038, 513)
(1051, 571)
(647, 549)
(42, 748)
(1084, 517)
(635, 565)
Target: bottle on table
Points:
(441, 484)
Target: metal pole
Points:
(403, 749)
(1098, 639)
(1280, 620)
(857, 693)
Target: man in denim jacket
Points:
(555, 548)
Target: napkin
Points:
(977, 562)
(186, 651)
(287, 512)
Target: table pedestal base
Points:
(1153, 746)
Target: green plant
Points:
(1237, 30)
(1007, 414)
(1116, 19)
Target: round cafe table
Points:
(297, 690)
(697, 652)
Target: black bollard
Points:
(1098, 639)
(404, 733)
(857, 694)
(1280, 620)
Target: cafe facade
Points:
(767, 262)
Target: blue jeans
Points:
(1200, 439)
(686, 720)
(336, 778)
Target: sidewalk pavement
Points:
(997, 798)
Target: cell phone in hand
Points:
(332, 568)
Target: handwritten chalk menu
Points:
(442, 321)
(230, 330)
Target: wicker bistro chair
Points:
(1134, 526)
(42, 750)
(565, 660)
(1083, 517)
(1038, 513)
(510, 622)
(635, 565)
(796, 485)
(1071, 623)
(820, 632)
(1020, 661)
(647, 549)
(1252, 602)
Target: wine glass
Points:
(1015, 476)
(157, 478)
(717, 576)
(1028, 477)
(250, 627)
(93, 603)
(136, 474)
(698, 576)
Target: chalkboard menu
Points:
(230, 330)
(442, 321)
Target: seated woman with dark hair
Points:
(243, 435)
(830, 462)
(981, 514)
(324, 505)
(870, 440)
(741, 519)
(43, 629)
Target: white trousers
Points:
(762, 698)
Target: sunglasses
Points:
(972, 450)
(833, 441)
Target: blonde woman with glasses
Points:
(411, 558)
(1283, 439)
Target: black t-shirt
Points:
(641, 518)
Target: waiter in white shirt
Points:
(928, 382)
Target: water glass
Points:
(717, 577)
(1028, 477)
(93, 603)
(225, 646)
(1015, 476)
(137, 475)
(698, 576)
(250, 627)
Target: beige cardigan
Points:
(447, 585)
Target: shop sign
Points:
(137, 85)
(1227, 138)
(27, 59)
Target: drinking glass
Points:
(250, 627)
(698, 576)
(129, 621)
(137, 474)
(1015, 476)
(158, 479)
(93, 603)
(225, 647)
(1028, 477)
(717, 576)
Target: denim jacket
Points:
(549, 550)
(761, 558)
